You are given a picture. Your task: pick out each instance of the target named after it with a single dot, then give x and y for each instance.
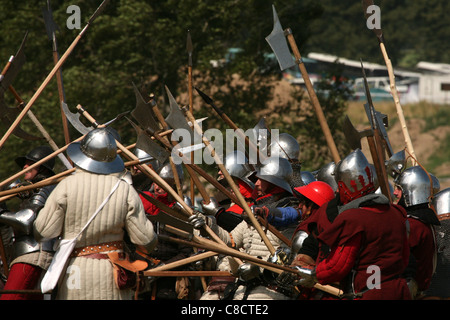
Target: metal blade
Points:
(50, 26)
(98, 11)
(189, 48)
(177, 120)
(8, 115)
(378, 32)
(354, 136)
(74, 119)
(145, 143)
(380, 124)
(143, 113)
(279, 45)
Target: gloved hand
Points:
(248, 271)
(197, 220)
(261, 211)
(307, 277)
(212, 208)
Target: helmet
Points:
(166, 173)
(416, 185)
(146, 158)
(355, 177)
(262, 134)
(36, 155)
(285, 147)
(326, 174)
(96, 152)
(395, 164)
(318, 192)
(441, 202)
(236, 163)
(277, 171)
(307, 177)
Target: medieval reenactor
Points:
(367, 232)
(414, 188)
(252, 283)
(30, 258)
(439, 287)
(99, 256)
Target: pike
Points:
(277, 41)
(52, 73)
(189, 49)
(377, 150)
(7, 76)
(6, 83)
(243, 204)
(51, 27)
(379, 34)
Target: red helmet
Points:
(318, 192)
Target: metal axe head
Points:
(278, 43)
(145, 143)
(143, 113)
(352, 135)
(14, 67)
(74, 119)
(177, 120)
(381, 120)
(9, 115)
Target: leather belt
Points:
(97, 248)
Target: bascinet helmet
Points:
(396, 164)
(285, 147)
(166, 173)
(307, 177)
(326, 174)
(416, 185)
(441, 203)
(277, 171)
(236, 163)
(36, 155)
(96, 152)
(318, 192)
(355, 177)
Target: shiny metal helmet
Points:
(285, 147)
(236, 163)
(355, 176)
(144, 157)
(262, 135)
(307, 177)
(326, 174)
(416, 186)
(441, 202)
(277, 171)
(96, 152)
(166, 173)
(36, 155)
(396, 164)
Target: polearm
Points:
(379, 33)
(189, 49)
(51, 28)
(52, 73)
(278, 44)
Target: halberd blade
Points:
(143, 113)
(74, 119)
(279, 45)
(177, 120)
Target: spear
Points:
(379, 33)
(191, 103)
(52, 73)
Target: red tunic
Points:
(364, 238)
(150, 208)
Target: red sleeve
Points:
(339, 262)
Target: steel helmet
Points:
(277, 171)
(355, 176)
(285, 147)
(96, 152)
(326, 174)
(441, 202)
(416, 185)
(36, 155)
(307, 177)
(166, 173)
(396, 164)
(318, 192)
(236, 163)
